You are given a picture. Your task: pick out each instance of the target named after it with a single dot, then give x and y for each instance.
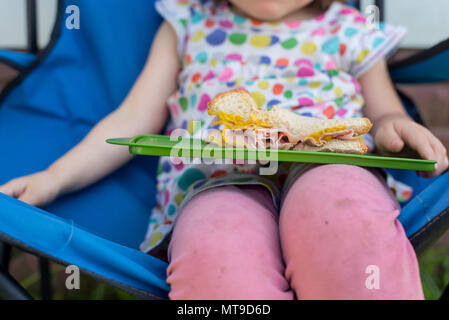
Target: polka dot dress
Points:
(309, 67)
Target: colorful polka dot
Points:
(198, 36)
(239, 19)
(314, 85)
(347, 11)
(282, 63)
(330, 65)
(256, 22)
(155, 238)
(360, 19)
(171, 210)
(209, 23)
(336, 29)
(272, 103)
(290, 43)
(306, 72)
(219, 173)
(189, 177)
(319, 32)
(362, 55)
(274, 40)
(293, 24)
(208, 76)
(199, 184)
(184, 103)
(196, 17)
(258, 97)
(328, 87)
(166, 197)
(309, 48)
(329, 112)
(178, 199)
(179, 165)
(193, 99)
(332, 46)
(187, 59)
(303, 102)
(378, 41)
(338, 92)
(226, 75)
(343, 49)
(288, 94)
(166, 166)
(174, 109)
(237, 38)
(234, 57)
(350, 32)
(203, 102)
(196, 77)
(260, 41)
(278, 88)
(226, 24)
(265, 60)
(201, 57)
(263, 85)
(216, 38)
(341, 113)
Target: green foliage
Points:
(434, 268)
(90, 288)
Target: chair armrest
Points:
(16, 60)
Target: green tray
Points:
(158, 145)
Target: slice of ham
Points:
(263, 138)
(347, 134)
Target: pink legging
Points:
(337, 237)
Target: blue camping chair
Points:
(63, 91)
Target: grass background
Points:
(434, 268)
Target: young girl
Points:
(313, 232)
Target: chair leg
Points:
(10, 289)
(445, 295)
(5, 255)
(46, 289)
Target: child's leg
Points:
(336, 222)
(225, 245)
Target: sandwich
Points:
(246, 125)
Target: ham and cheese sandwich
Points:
(247, 125)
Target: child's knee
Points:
(337, 200)
(219, 222)
(222, 249)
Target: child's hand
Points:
(393, 133)
(38, 189)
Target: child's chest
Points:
(251, 48)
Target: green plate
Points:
(158, 145)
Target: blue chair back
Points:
(82, 76)
(426, 67)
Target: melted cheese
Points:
(318, 135)
(236, 122)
